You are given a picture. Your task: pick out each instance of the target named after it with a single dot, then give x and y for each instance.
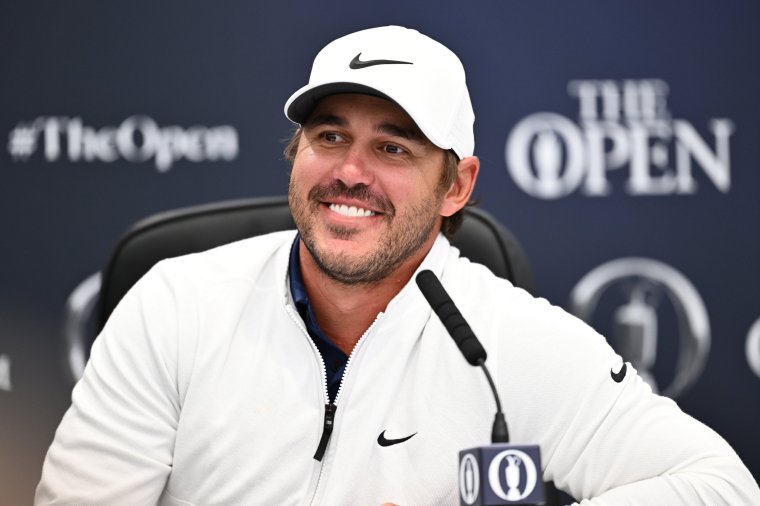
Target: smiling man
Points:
(305, 367)
(368, 193)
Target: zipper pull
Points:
(326, 431)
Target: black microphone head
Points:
(431, 287)
(452, 319)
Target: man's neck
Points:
(344, 312)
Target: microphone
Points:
(451, 318)
(465, 339)
(500, 473)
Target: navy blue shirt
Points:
(335, 359)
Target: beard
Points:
(406, 232)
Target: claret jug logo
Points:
(512, 475)
(621, 126)
(137, 139)
(656, 319)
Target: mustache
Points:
(360, 192)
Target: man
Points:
(225, 377)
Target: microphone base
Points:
(500, 474)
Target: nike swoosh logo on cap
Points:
(382, 441)
(356, 63)
(617, 377)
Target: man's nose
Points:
(355, 167)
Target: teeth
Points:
(351, 211)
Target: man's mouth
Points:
(351, 211)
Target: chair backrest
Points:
(482, 239)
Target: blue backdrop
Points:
(619, 141)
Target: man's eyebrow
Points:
(408, 133)
(324, 119)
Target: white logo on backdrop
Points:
(79, 316)
(621, 124)
(635, 324)
(5, 373)
(137, 139)
(753, 347)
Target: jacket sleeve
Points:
(612, 441)
(114, 444)
(642, 449)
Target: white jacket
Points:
(204, 388)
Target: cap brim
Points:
(303, 102)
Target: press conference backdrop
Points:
(619, 141)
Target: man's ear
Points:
(461, 189)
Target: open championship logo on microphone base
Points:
(512, 475)
(469, 479)
(500, 474)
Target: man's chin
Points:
(347, 249)
(348, 267)
(349, 238)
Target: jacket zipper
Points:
(327, 429)
(326, 435)
(353, 353)
(330, 408)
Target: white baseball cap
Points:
(419, 74)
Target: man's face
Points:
(365, 188)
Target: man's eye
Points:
(393, 149)
(331, 137)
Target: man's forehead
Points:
(347, 108)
